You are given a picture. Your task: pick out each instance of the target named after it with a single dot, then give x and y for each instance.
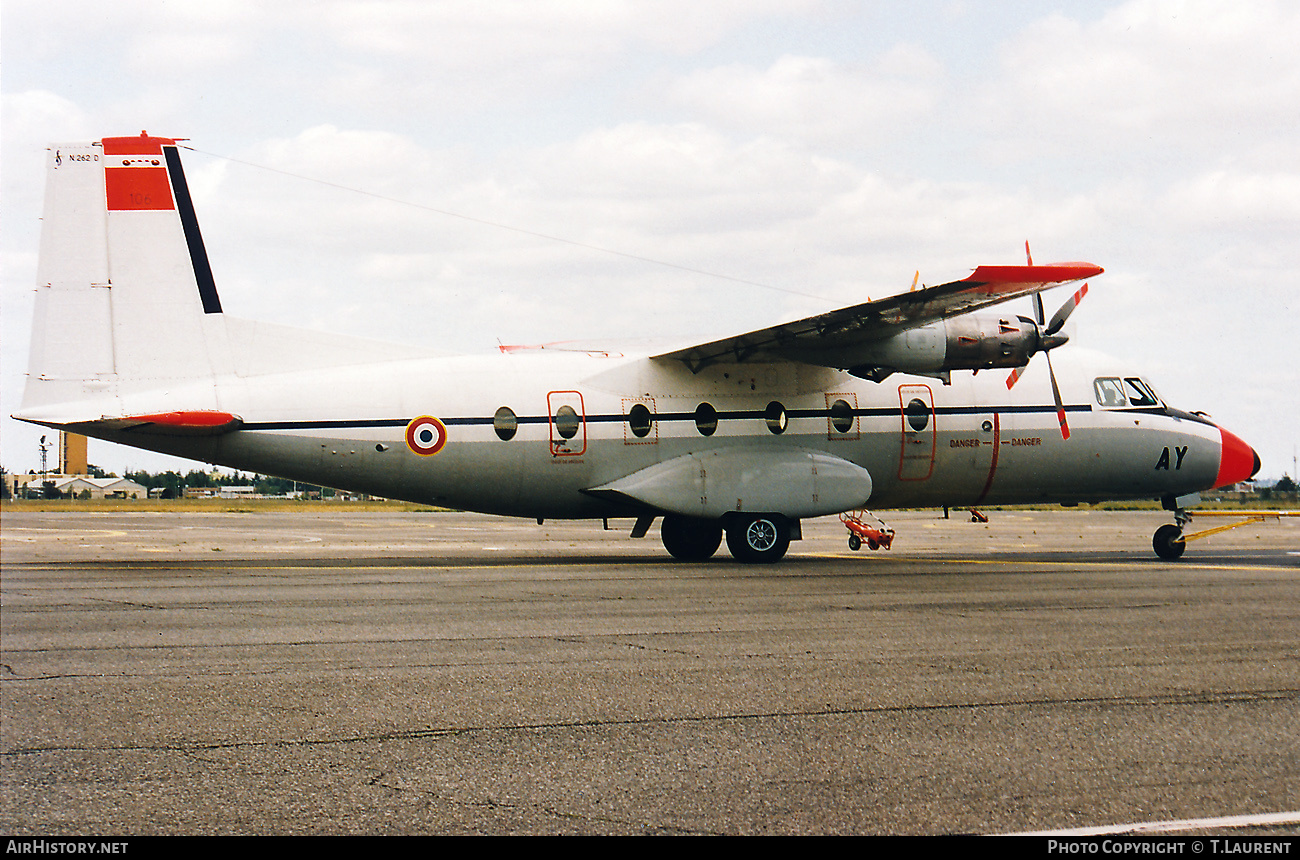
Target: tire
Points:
(758, 538)
(855, 542)
(690, 538)
(1168, 542)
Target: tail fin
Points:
(126, 300)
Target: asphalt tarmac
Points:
(372, 673)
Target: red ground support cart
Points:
(860, 532)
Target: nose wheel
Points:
(1168, 542)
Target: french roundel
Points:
(426, 435)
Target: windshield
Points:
(1114, 392)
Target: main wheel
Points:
(690, 538)
(1168, 542)
(855, 542)
(758, 538)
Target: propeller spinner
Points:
(1049, 338)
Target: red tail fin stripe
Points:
(134, 188)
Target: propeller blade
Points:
(1056, 394)
(1063, 314)
(1015, 375)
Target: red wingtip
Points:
(1052, 273)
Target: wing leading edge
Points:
(833, 339)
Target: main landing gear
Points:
(690, 538)
(751, 538)
(758, 538)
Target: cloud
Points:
(1151, 78)
(470, 35)
(815, 99)
(1236, 200)
(459, 56)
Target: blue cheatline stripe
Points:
(877, 412)
(193, 238)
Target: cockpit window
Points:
(1115, 393)
(1139, 393)
(1110, 392)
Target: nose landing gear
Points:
(1170, 540)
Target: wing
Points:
(819, 339)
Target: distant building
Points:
(105, 488)
(225, 492)
(77, 485)
(72, 454)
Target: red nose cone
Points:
(1237, 462)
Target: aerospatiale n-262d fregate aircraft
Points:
(744, 436)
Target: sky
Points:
(464, 174)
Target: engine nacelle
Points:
(970, 342)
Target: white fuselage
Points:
(969, 443)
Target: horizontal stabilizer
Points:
(197, 422)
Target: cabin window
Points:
(639, 420)
(776, 418)
(505, 423)
(706, 419)
(567, 422)
(841, 416)
(918, 414)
